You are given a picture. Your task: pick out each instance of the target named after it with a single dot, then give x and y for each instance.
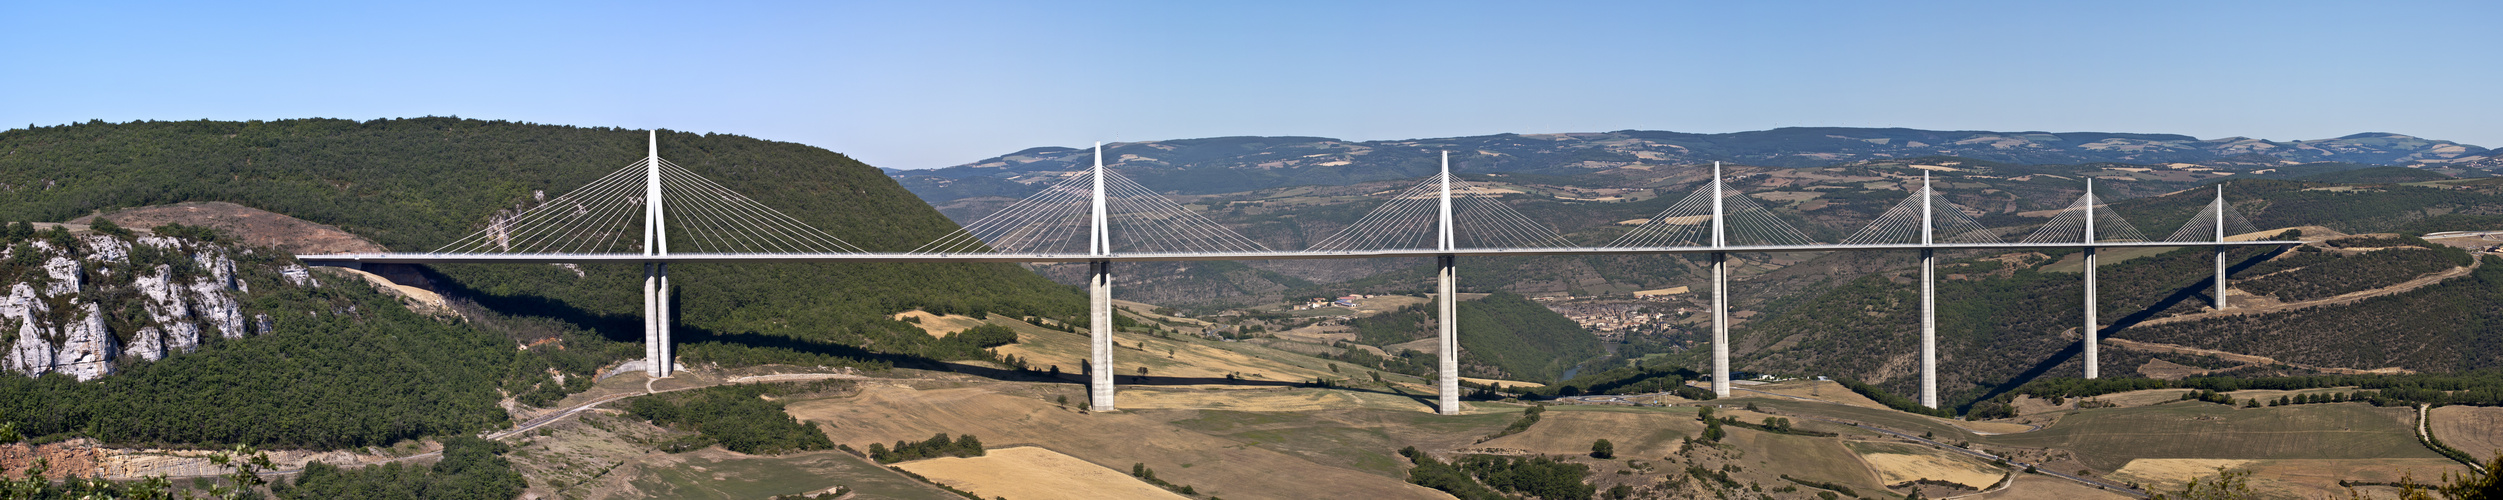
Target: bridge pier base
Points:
(1447, 371)
(669, 341)
(2093, 326)
(657, 351)
(1720, 325)
(1099, 330)
(1929, 328)
(2220, 278)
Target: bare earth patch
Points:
(2041, 487)
(1897, 463)
(937, 325)
(2472, 429)
(253, 226)
(2162, 473)
(1030, 472)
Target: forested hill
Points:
(415, 184)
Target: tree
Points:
(2225, 485)
(106, 226)
(1602, 449)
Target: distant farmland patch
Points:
(1030, 472)
(2109, 438)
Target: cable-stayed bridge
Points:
(1099, 217)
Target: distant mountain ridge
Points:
(1230, 164)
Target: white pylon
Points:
(1929, 301)
(1099, 297)
(2220, 249)
(2092, 325)
(1447, 309)
(1720, 294)
(657, 351)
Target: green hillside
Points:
(327, 367)
(1503, 335)
(426, 181)
(415, 184)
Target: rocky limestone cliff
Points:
(80, 305)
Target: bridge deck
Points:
(449, 258)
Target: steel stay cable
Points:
(1052, 223)
(749, 222)
(541, 227)
(477, 240)
(1530, 231)
(1216, 235)
(969, 230)
(791, 232)
(726, 229)
(605, 219)
(771, 215)
(614, 226)
(534, 229)
(1347, 238)
(706, 227)
(1489, 222)
(1400, 222)
(1492, 226)
(543, 231)
(1659, 229)
(1144, 220)
(1055, 222)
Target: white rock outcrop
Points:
(47, 326)
(29, 335)
(87, 348)
(67, 276)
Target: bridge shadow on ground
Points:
(1426, 400)
(514, 313)
(2199, 290)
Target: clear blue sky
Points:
(932, 84)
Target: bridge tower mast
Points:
(1099, 295)
(1720, 293)
(658, 361)
(1929, 300)
(2220, 249)
(2092, 326)
(1447, 302)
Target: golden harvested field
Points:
(2473, 429)
(2041, 487)
(1214, 464)
(1821, 390)
(1261, 399)
(2142, 398)
(2164, 473)
(937, 325)
(1036, 473)
(1167, 359)
(1506, 383)
(1898, 463)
